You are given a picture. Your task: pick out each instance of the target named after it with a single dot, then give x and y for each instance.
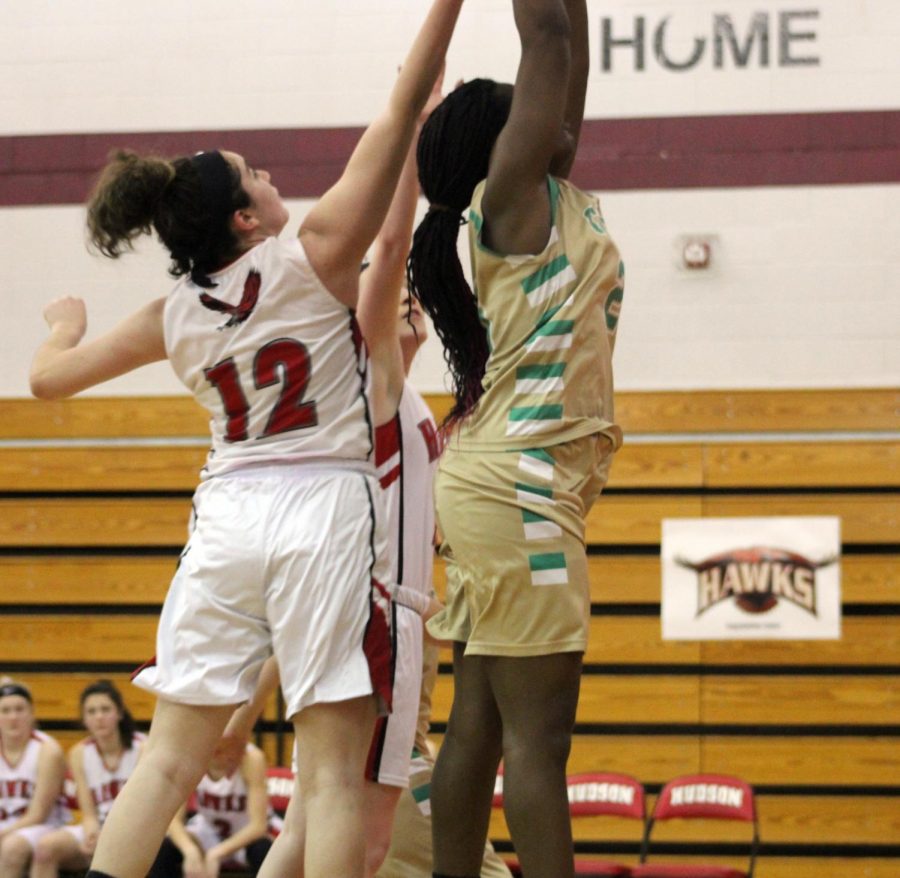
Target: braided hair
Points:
(136, 194)
(453, 155)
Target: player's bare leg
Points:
(173, 760)
(380, 806)
(287, 852)
(332, 745)
(537, 697)
(462, 784)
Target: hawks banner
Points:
(751, 578)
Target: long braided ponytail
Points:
(453, 154)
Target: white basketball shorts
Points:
(392, 743)
(287, 559)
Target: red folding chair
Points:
(701, 797)
(279, 786)
(605, 794)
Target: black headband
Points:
(216, 181)
(15, 689)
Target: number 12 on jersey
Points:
(284, 359)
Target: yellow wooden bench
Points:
(94, 507)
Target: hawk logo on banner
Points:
(751, 578)
(757, 578)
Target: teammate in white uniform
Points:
(31, 777)
(406, 452)
(229, 826)
(407, 447)
(100, 765)
(286, 555)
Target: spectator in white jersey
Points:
(230, 824)
(286, 555)
(31, 778)
(100, 765)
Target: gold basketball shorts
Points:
(513, 541)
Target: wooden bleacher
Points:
(94, 503)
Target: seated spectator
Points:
(100, 765)
(31, 777)
(231, 826)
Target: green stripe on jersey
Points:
(548, 561)
(536, 413)
(533, 489)
(420, 794)
(554, 198)
(548, 370)
(552, 327)
(530, 517)
(542, 275)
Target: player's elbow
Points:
(391, 248)
(40, 389)
(46, 387)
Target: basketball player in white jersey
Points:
(286, 555)
(230, 824)
(406, 452)
(99, 765)
(407, 447)
(31, 777)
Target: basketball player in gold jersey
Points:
(530, 438)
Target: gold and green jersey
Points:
(551, 321)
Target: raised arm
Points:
(338, 231)
(380, 292)
(381, 284)
(516, 202)
(62, 366)
(562, 161)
